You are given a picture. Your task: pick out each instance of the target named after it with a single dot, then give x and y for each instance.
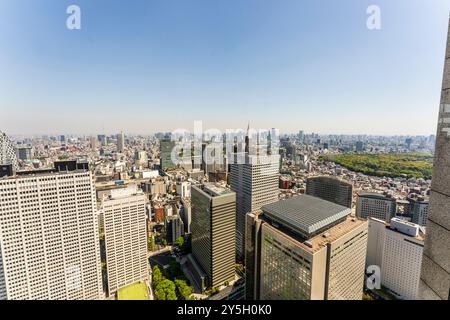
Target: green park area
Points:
(417, 165)
(136, 291)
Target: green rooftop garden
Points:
(136, 291)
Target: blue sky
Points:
(142, 66)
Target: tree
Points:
(184, 291)
(165, 290)
(151, 243)
(179, 242)
(157, 276)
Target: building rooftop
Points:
(305, 214)
(214, 189)
(375, 195)
(329, 235)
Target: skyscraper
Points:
(418, 210)
(7, 152)
(330, 189)
(305, 248)
(166, 147)
(49, 235)
(376, 205)
(124, 220)
(213, 232)
(435, 275)
(120, 142)
(256, 184)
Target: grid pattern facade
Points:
(346, 267)
(330, 189)
(166, 147)
(419, 211)
(256, 184)
(125, 241)
(49, 239)
(213, 235)
(376, 207)
(402, 260)
(285, 270)
(7, 152)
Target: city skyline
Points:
(222, 64)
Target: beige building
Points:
(305, 248)
(375, 205)
(124, 219)
(49, 240)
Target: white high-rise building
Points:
(124, 220)
(255, 183)
(396, 248)
(49, 239)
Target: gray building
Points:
(166, 147)
(330, 189)
(375, 205)
(120, 142)
(418, 210)
(305, 248)
(435, 274)
(213, 232)
(24, 153)
(174, 228)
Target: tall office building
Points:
(435, 276)
(213, 232)
(7, 152)
(305, 248)
(166, 147)
(24, 153)
(397, 248)
(330, 189)
(49, 235)
(375, 205)
(255, 183)
(174, 225)
(124, 220)
(418, 210)
(120, 142)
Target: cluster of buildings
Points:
(274, 226)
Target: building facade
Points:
(375, 205)
(166, 147)
(435, 275)
(255, 183)
(7, 151)
(120, 142)
(49, 238)
(124, 219)
(418, 210)
(305, 248)
(398, 254)
(330, 189)
(213, 232)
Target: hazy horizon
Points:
(143, 67)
